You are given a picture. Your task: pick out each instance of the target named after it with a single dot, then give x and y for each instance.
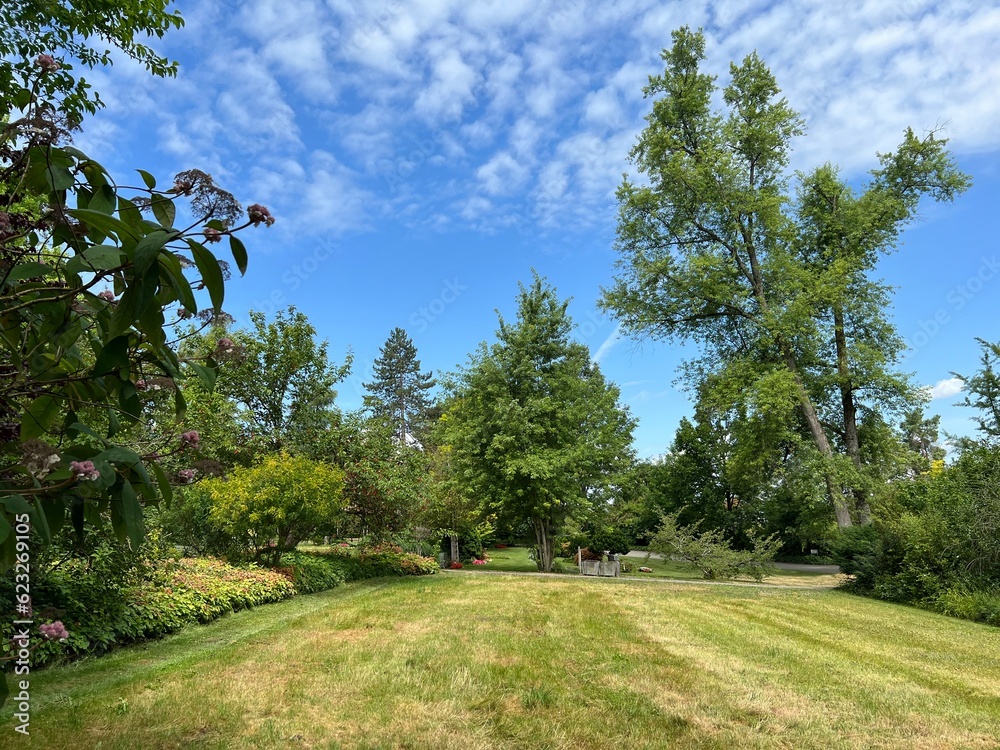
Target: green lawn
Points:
(465, 661)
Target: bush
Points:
(627, 566)
(315, 572)
(272, 506)
(102, 609)
(970, 603)
(858, 552)
(711, 553)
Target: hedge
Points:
(101, 614)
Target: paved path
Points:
(800, 567)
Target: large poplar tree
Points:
(715, 248)
(535, 429)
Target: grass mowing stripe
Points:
(553, 663)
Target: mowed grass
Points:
(516, 560)
(465, 661)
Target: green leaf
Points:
(76, 516)
(211, 273)
(147, 178)
(175, 275)
(5, 528)
(54, 511)
(38, 417)
(132, 515)
(95, 258)
(104, 200)
(119, 455)
(4, 689)
(108, 225)
(113, 357)
(166, 491)
(16, 505)
(28, 270)
(164, 210)
(149, 247)
(239, 253)
(133, 302)
(207, 375)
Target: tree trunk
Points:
(840, 507)
(851, 441)
(543, 543)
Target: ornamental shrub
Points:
(272, 506)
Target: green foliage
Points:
(714, 248)
(315, 572)
(90, 291)
(269, 508)
(187, 521)
(711, 553)
(104, 606)
(983, 391)
(283, 383)
(934, 542)
(535, 429)
(385, 482)
(69, 30)
(384, 561)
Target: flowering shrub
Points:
(456, 565)
(477, 562)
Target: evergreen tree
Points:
(399, 390)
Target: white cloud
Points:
(947, 388)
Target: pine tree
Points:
(399, 390)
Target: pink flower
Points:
(85, 470)
(186, 475)
(190, 439)
(225, 345)
(54, 631)
(258, 214)
(107, 295)
(47, 63)
(212, 235)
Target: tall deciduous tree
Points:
(714, 249)
(283, 381)
(398, 389)
(535, 428)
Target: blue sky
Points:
(422, 156)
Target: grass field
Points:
(516, 560)
(466, 661)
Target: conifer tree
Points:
(398, 391)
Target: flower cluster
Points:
(38, 457)
(644, 569)
(186, 475)
(478, 562)
(455, 565)
(47, 63)
(259, 214)
(212, 235)
(190, 439)
(54, 631)
(107, 295)
(85, 470)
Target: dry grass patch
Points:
(521, 662)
